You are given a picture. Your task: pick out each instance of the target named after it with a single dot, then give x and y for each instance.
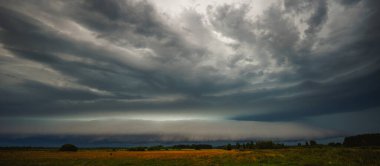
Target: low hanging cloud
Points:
(267, 62)
(167, 131)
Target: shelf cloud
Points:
(249, 67)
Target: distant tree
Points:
(228, 147)
(306, 143)
(237, 145)
(279, 146)
(334, 144)
(68, 148)
(313, 143)
(251, 145)
(265, 144)
(299, 144)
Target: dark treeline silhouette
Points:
(158, 147)
(362, 140)
(68, 148)
(253, 145)
(309, 143)
(352, 141)
(193, 146)
(334, 144)
(138, 148)
(268, 145)
(313, 143)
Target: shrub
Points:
(229, 147)
(313, 143)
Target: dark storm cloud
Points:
(349, 2)
(38, 42)
(319, 99)
(318, 18)
(295, 60)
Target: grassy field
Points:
(289, 156)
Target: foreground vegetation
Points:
(287, 156)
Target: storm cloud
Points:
(252, 65)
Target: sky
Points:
(188, 70)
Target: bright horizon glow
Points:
(166, 118)
(144, 117)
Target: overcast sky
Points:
(190, 69)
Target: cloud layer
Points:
(270, 61)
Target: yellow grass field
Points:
(295, 156)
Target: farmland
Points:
(286, 156)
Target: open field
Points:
(289, 156)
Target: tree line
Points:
(351, 141)
(362, 140)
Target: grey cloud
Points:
(349, 2)
(232, 21)
(318, 17)
(69, 58)
(190, 130)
